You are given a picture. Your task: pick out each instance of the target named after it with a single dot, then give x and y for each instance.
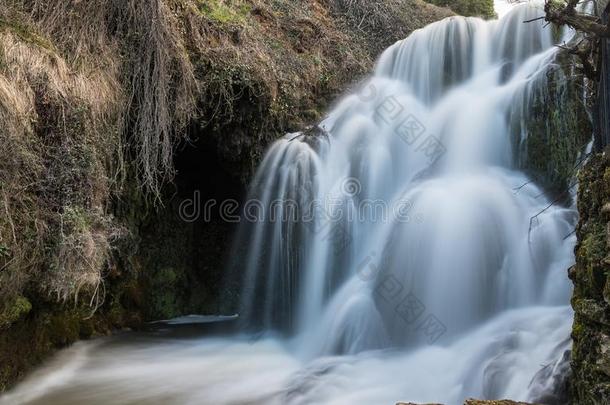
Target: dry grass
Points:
(381, 22)
(136, 45)
(56, 140)
(84, 87)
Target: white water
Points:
(449, 292)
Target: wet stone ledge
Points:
(475, 402)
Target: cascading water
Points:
(417, 178)
(390, 254)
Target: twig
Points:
(570, 234)
(533, 19)
(517, 189)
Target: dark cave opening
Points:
(200, 168)
(185, 247)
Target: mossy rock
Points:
(558, 128)
(590, 382)
(19, 308)
(164, 299)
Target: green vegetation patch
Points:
(24, 32)
(558, 128)
(225, 11)
(20, 307)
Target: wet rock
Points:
(603, 361)
(497, 402)
(605, 211)
(590, 381)
(476, 402)
(558, 128)
(412, 403)
(550, 385)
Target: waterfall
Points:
(403, 220)
(396, 251)
(416, 175)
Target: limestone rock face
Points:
(590, 383)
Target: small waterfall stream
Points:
(388, 254)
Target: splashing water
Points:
(396, 258)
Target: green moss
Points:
(577, 330)
(225, 11)
(558, 129)
(5, 251)
(25, 33)
(607, 177)
(165, 299)
(63, 328)
(76, 218)
(20, 307)
(593, 247)
(591, 298)
(29, 340)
